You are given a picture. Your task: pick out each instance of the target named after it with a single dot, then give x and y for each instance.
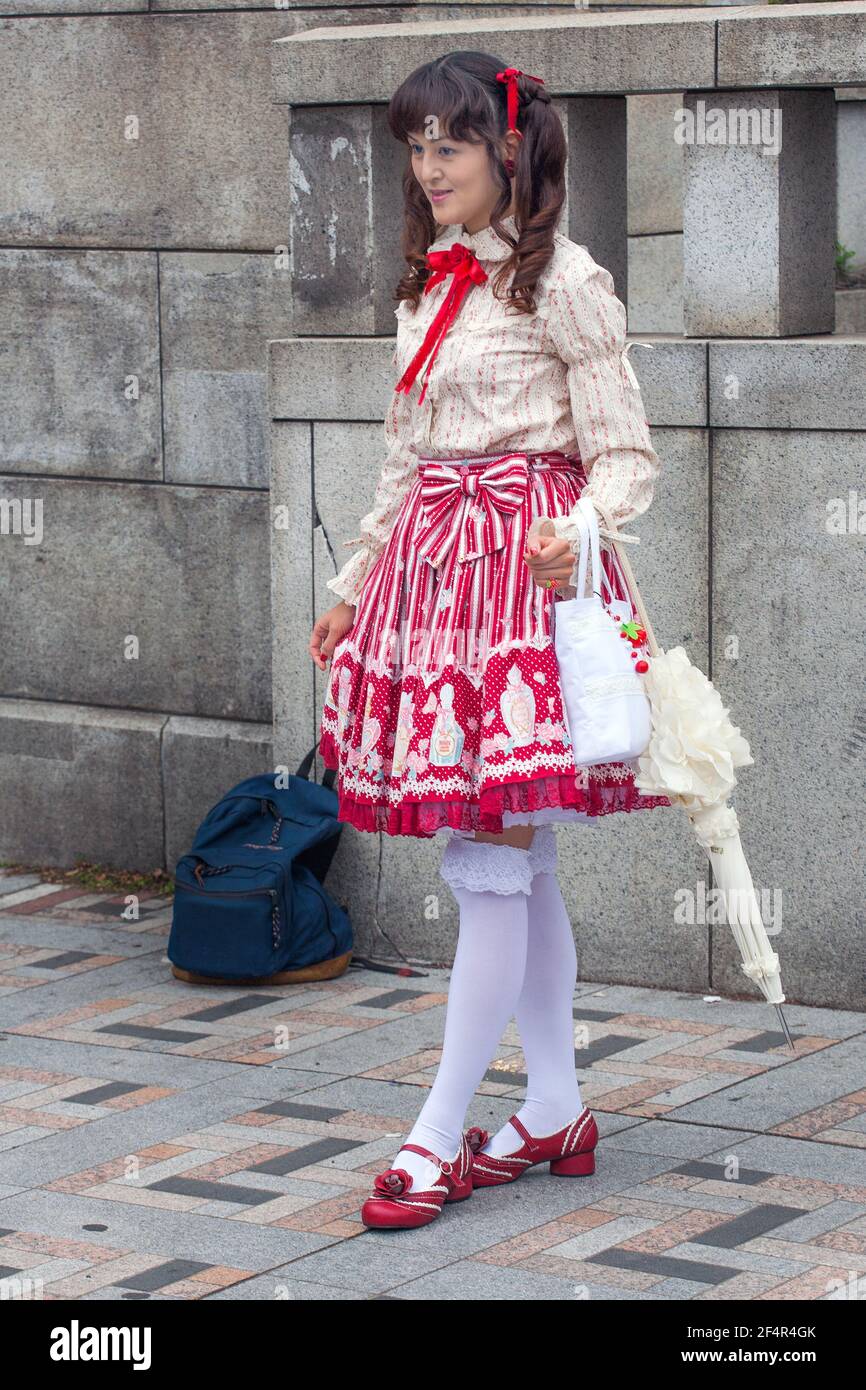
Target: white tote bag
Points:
(607, 710)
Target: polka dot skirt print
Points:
(443, 708)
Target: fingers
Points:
(319, 643)
(548, 551)
(549, 559)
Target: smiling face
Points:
(456, 177)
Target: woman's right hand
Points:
(330, 629)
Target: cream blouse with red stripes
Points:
(502, 381)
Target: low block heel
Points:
(571, 1150)
(570, 1167)
(460, 1191)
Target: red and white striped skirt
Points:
(443, 709)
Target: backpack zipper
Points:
(248, 893)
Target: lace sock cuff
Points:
(483, 867)
(542, 851)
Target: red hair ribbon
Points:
(460, 262)
(510, 76)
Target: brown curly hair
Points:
(462, 91)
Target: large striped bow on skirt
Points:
(469, 507)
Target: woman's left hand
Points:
(549, 558)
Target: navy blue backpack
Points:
(249, 902)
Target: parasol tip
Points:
(785, 1028)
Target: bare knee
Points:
(518, 835)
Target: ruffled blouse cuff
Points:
(566, 528)
(350, 581)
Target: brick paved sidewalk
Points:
(167, 1141)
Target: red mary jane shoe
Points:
(570, 1151)
(395, 1205)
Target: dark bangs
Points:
(463, 108)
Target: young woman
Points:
(443, 712)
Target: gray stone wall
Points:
(144, 265)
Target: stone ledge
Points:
(80, 782)
(575, 53)
(662, 50)
(805, 383)
(793, 46)
(302, 373)
(86, 782)
(811, 383)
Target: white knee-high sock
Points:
(544, 1008)
(491, 883)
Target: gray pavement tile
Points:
(13, 883)
(751, 1261)
(274, 1080)
(680, 1290)
(611, 1045)
(283, 1285)
(297, 1110)
(773, 1097)
(392, 997)
(116, 1293)
(130, 1063)
(839, 1216)
(395, 1038)
(368, 1095)
(758, 1221)
(98, 1095)
(673, 1138)
(717, 1172)
(314, 1151)
(150, 1034)
(117, 1135)
(59, 962)
(223, 1191)
(585, 1244)
(65, 992)
(25, 1134)
(151, 1280)
(231, 1007)
(723, 1013)
(687, 1198)
(42, 932)
(468, 1279)
(164, 1234)
(800, 1158)
(667, 1265)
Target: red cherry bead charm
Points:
(641, 666)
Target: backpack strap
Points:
(306, 763)
(318, 857)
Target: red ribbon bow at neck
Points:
(460, 262)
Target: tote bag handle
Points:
(619, 550)
(590, 546)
